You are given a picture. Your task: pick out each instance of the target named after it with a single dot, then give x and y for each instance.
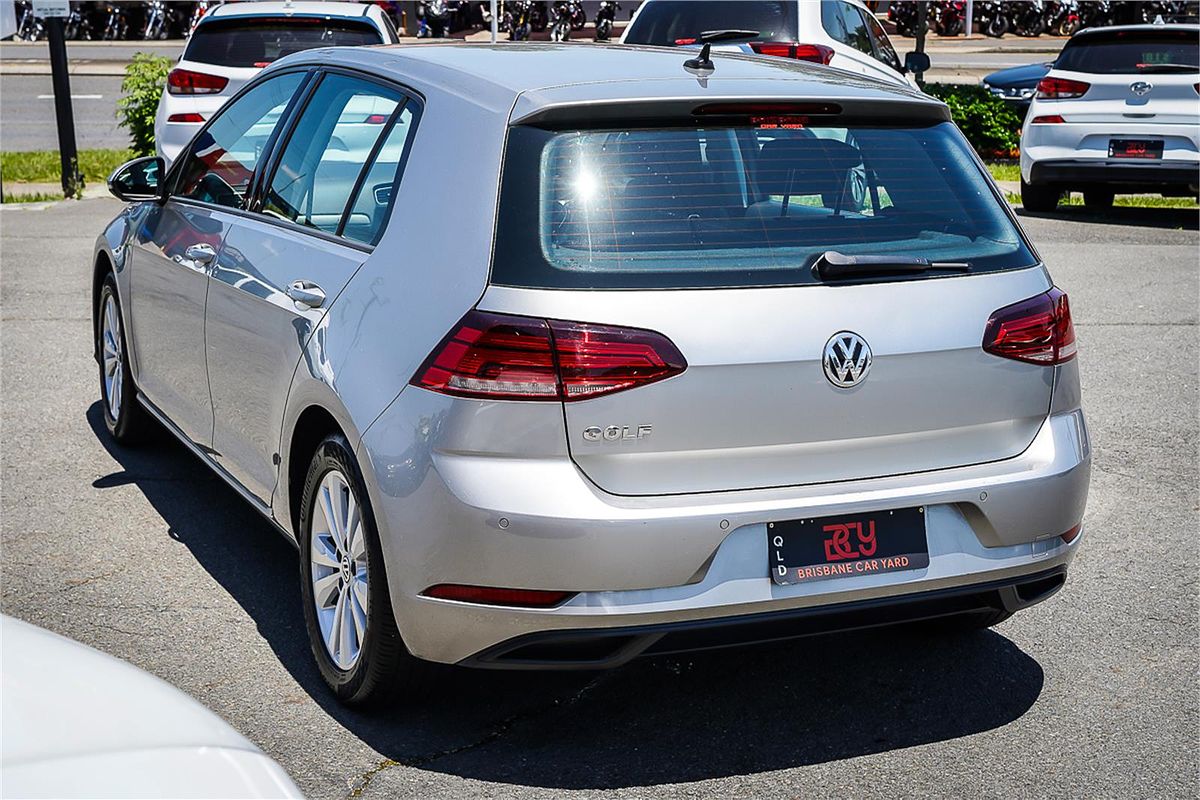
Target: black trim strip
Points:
(602, 648)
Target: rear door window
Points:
(675, 22)
(1132, 52)
(330, 147)
(256, 42)
(883, 45)
(845, 24)
(751, 205)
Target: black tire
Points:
(1098, 199)
(131, 423)
(384, 665)
(1040, 197)
(603, 30)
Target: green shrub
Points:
(990, 125)
(145, 78)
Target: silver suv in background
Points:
(233, 42)
(839, 33)
(726, 355)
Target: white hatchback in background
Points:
(1119, 112)
(79, 723)
(232, 44)
(838, 33)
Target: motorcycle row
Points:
(150, 19)
(518, 18)
(1035, 17)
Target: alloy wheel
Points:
(112, 356)
(338, 556)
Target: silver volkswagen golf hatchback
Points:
(555, 356)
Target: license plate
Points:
(1135, 148)
(804, 550)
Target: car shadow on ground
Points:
(1187, 219)
(659, 721)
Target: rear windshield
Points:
(739, 206)
(1132, 52)
(242, 42)
(674, 22)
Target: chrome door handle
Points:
(200, 254)
(306, 293)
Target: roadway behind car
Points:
(145, 555)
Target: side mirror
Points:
(916, 62)
(140, 179)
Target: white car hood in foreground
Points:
(79, 723)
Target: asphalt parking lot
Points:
(144, 555)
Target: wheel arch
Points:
(313, 425)
(101, 268)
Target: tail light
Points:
(1061, 88)
(529, 598)
(497, 356)
(191, 117)
(816, 53)
(1037, 330)
(1047, 119)
(1072, 534)
(186, 81)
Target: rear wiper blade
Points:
(832, 265)
(726, 33)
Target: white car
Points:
(1119, 112)
(79, 723)
(233, 42)
(838, 33)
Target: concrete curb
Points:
(33, 67)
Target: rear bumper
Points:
(1152, 175)
(450, 517)
(612, 647)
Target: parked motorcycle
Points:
(1062, 18)
(433, 19)
(161, 19)
(578, 16)
(115, 26)
(903, 14)
(78, 26)
(30, 28)
(560, 20)
(949, 17)
(991, 19)
(1095, 14)
(516, 19)
(605, 18)
(1026, 17)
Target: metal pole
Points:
(922, 24)
(62, 106)
(970, 28)
(495, 21)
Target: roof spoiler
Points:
(908, 109)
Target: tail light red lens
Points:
(1072, 534)
(186, 81)
(528, 598)
(816, 53)
(1037, 330)
(502, 357)
(1061, 88)
(185, 118)
(1047, 119)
